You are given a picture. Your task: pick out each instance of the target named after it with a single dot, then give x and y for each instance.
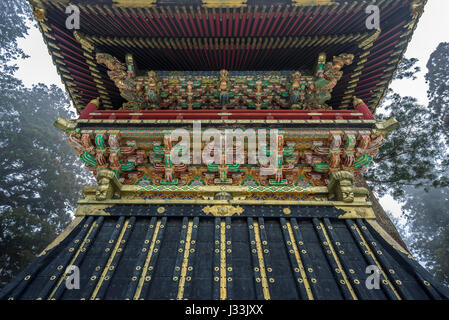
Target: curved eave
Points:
(196, 35)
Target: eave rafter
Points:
(275, 26)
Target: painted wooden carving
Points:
(223, 89)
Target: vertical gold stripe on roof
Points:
(185, 261)
(94, 224)
(340, 267)
(266, 291)
(299, 261)
(111, 258)
(370, 252)
(223, 290)
(147, 261)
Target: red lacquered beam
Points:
(240, 111)
(363, 108)
(361, 112)
(91, 107)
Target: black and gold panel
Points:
(159, 255)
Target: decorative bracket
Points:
(341, 186)
(387, 126)
(65, 124)
(108, 185)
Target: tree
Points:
(413, 164)
(413, 154)
(405, 71)
(438, 79)
(427, 229)
(40, 174)
(426, 207)
(14, 15)
(22, 236)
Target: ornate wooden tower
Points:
(162, 223)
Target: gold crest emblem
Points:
(223, 210)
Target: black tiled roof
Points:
(130, 255)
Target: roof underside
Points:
(179, 252)
(200, 36)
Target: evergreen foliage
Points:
(413, 165)
(40, 178)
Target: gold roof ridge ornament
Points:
(134, 3)
(224, 3)
(298, 3)
(223, 210)
(65, 124)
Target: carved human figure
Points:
(101, 160)
(87, 143)
(75, 141)
(124, 81)
(348, 159)
(114, 152)
(223, 169)
(130, 66)
(114, 161)
(333, 71)
(279, 159)
(168, 173)
(320, 65)
(114, 141)
(101, 150)
(349, 150)
(295, 89)
(151, 88)
(364, 143)
(377, 141)
(223, 87)
(335, 152)
(168, 164)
